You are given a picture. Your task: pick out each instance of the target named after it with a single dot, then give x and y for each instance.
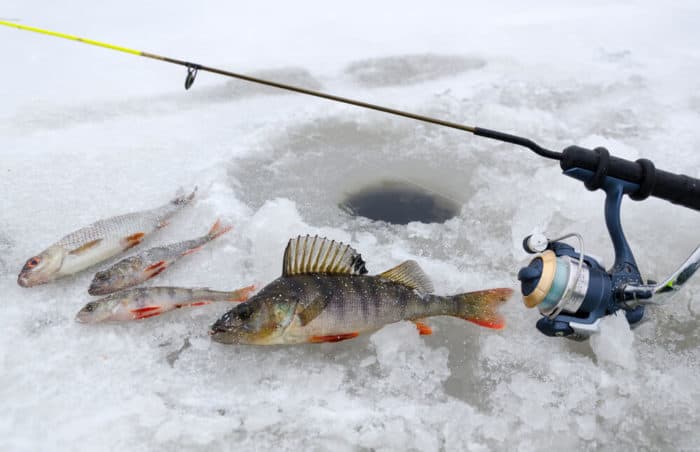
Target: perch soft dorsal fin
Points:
(410, 275)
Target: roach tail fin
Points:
(241, 294)
(218, 230)
(481, 307)
(183, 200)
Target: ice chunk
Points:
(615, 343)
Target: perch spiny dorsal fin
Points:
(306, 255)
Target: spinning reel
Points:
(572, 290)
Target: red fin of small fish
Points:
(217, 230)
(156, 265)
(145, 309)
(145, 316)
(333, 338)
(423, 328)
(160, 270)
(242, 294)
(192, 250)
(145, 312)
(199, 303)
(133, 239)
(156, 269)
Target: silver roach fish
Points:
(97, 242)
(136, 269)
(325, 295)
(144, 302)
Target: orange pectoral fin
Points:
(192, 250)
(145, 312)
(333, 338)
(155, 269)
(423, 328)
(199, 303)
(132, 240)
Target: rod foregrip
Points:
(676, 188)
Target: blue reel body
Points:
(573, 292)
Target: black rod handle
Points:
(676, 188)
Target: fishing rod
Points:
(572, 291)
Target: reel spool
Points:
(555, 283)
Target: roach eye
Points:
(33, 262)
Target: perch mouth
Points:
(400, 203)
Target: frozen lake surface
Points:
(86, 134)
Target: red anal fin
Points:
(497, 323)
(423, 328)
(333, 338)
(199, 303)
(134, 239)
(147, 311)
(192, 250)
(156, 269)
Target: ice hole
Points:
(400, 203)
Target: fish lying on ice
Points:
(144, 302)
(136, 269)
(324, 295)
(97, 242)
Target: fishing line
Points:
(194, 68)
(678, 189)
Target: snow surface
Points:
(86, 134)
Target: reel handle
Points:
(676, 188)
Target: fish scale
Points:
(144, 302)
(140, 267)
(346, 308)
(321, 299)
(97, 242)
(116, 227)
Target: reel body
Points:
(573, 291)
(571, 305)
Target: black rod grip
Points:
(676, 188)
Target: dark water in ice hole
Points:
(400, 203)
